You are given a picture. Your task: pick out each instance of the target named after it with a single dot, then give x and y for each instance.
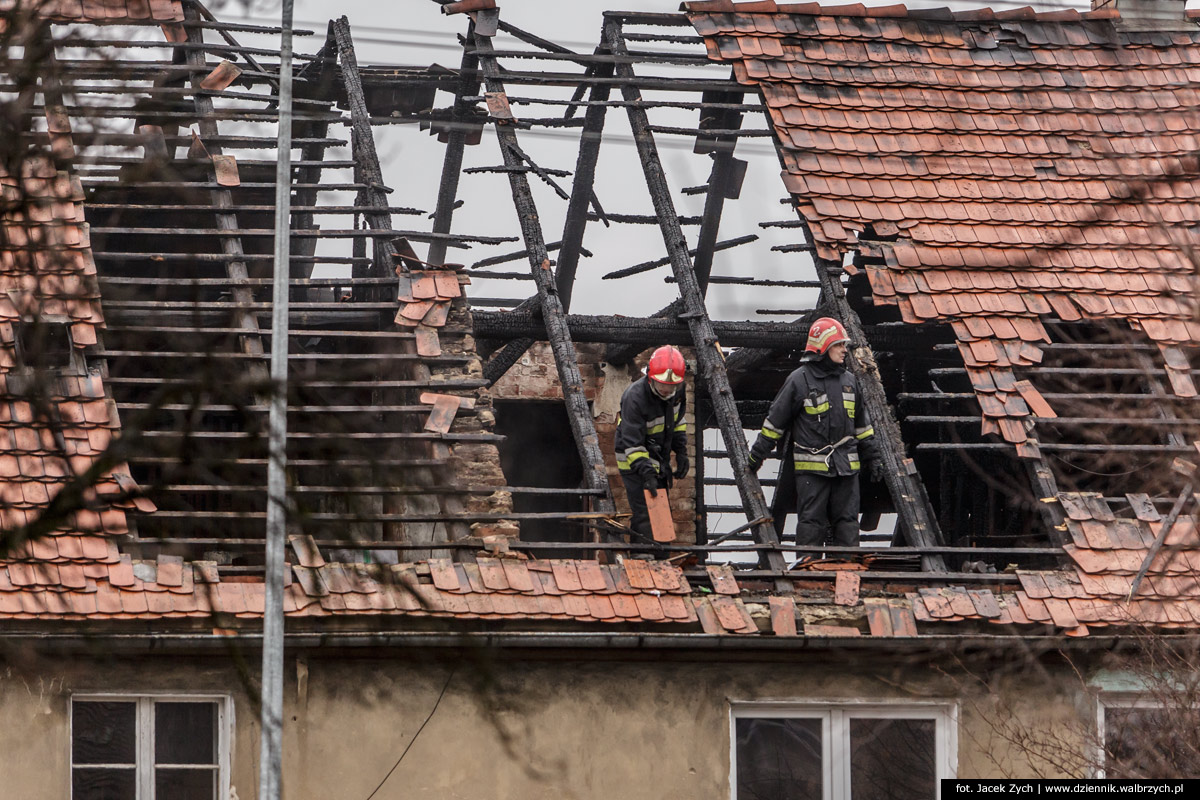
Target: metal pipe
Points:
(271, 741)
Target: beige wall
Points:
(651, 728)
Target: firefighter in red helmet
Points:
(650, 428)
(820, 409)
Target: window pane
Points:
(185, 784)
(1145, 742)
(892, 759)
(103, 733)
(185, 733)
(103, 784)
(778, 759)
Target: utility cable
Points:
(417, 735)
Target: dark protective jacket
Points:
(821, 405)
(649, 427)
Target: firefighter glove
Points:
(875, 470)
(755, 461)
(648, 476)
(682, 465)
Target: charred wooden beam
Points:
(468, 85)
(579, 414)
(625, 353)
(223, 32)
(704, 338)
(236, 267)
(1134, 422)
(721, 180)
(500, 363)
(582, 192)
(744, 363)
(640, 331)
(646, 266)
(658, 83)
(367, 169)
(306, 198)
(1044, 488)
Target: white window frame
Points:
(144, 765)
(1104, 702)
(835, 719)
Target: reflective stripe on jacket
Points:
(823, 409)
(649, 427)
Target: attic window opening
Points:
(43, 345)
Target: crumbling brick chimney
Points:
(1149, 14)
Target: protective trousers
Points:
(822, 502)
(640, 523)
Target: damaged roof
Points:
(990, 169)
(998, 171)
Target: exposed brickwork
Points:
(472, 463)
(535, 377)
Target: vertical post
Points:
(367, 169)
(558, 334)
(271, 745)
(227, 222)
(468, 85)
(583, 189)
(708, 350)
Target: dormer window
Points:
(43, 345)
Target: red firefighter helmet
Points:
(666, 366)
(824, 334)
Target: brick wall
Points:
(535, 377)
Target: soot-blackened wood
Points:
(582, 192)
(468, 86)
(646, 266)
(366, 160)
(704, 338)
(244, 318)
(502, 361)
(641, 332)
(314, 152)
(743, 364)
(559, 335)
(723, 170)
(904, 484)
(625, 353)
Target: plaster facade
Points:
(590, 726)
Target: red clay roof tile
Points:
(879, 617)
(567, 577)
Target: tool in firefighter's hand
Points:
(662, 526)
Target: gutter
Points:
(166, 643)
